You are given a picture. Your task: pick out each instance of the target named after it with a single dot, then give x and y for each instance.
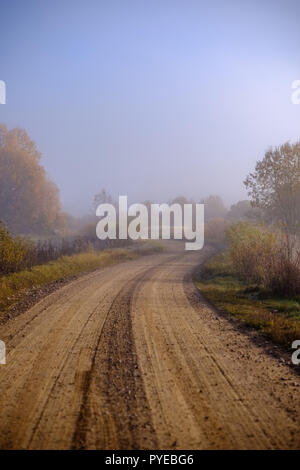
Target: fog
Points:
(150, 99)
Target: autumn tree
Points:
(29, 201)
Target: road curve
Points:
(131, 357)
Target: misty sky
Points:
(150, 99)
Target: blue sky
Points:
(150, 99)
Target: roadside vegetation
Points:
(257, 277)
(275, 316)
(278, 317)
(15, 286)
(18, 253)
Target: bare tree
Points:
(103, 197)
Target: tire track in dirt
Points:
(45, 359)
(207, 385)
(50, 353)
(115, 375)
(133, 357)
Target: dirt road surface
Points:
(131, 357)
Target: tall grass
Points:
(261, 255)
(214, 232)
(276, 317)
(18, 253)
(14, 286)
(13, 252)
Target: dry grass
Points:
(14, 286)
(276, 317)
(266, 256)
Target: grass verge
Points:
(276, 317)
(15, 287)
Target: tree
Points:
(274, 186)
(242, 210)
(214, 207)
(29, 201)
(103, 198)
(181, 200)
